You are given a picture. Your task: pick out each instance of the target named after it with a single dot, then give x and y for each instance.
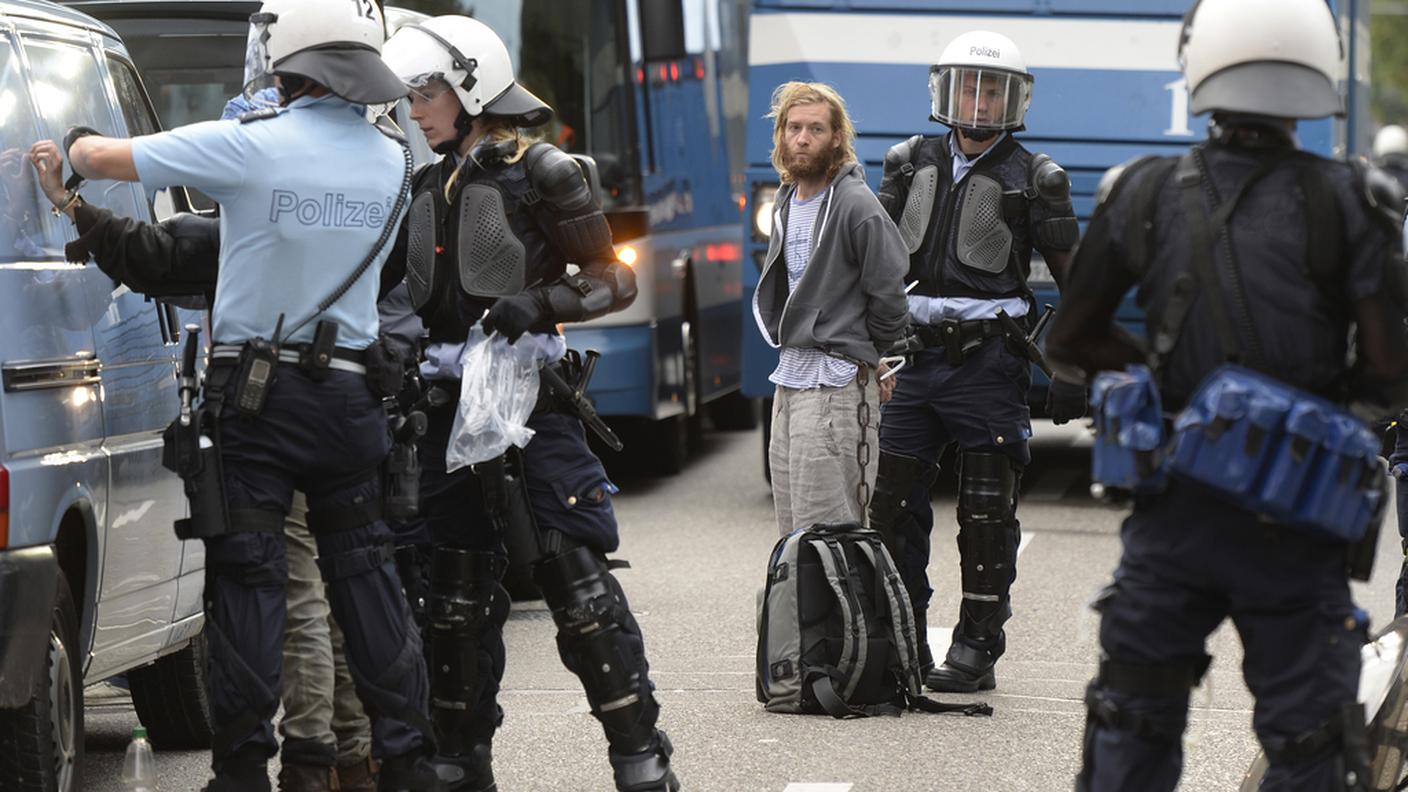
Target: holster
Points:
(506, 501)
(401, 490)
(193, 453)
(386, 370)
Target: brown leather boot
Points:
(307, 778)
(359, 776)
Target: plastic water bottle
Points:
(139, 766)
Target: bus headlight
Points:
(764, 197)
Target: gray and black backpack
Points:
(836, 632)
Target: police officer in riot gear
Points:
(1250, 251)
(971, 205)
(491, 229)
(1391, 154)
(287, 401)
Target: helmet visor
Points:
(968, 97)
(258, 65)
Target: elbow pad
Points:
(1052, 186)
(577, 298)
(1057, 233)
(1050, 182)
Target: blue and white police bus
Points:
(1108, 89)
(654, 91)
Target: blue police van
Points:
(1107, 89)
(93, 583)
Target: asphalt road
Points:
(698, 545)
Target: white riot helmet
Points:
(1391, 140)
(1278, 58)
(335, 43)
(981, 82)
(471, 57)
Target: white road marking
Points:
(1026, 540)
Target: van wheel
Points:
(41, 743)
(172, 700)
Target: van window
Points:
(135, 109)
(27, 231)
(70, 91)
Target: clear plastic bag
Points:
(497, 393)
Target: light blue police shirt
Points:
(303, 198)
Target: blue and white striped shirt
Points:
(805, 368)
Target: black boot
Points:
(409, 773)
(647, 771)
(469, 772)
(965, 670)
(246, 770)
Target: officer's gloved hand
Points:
(73, 134)
(1400, 471)
(1065, 401)
(512, 316)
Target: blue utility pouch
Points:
(1281, 453)
(1129, 431)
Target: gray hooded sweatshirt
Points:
(850, 301)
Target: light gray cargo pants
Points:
(824, 451)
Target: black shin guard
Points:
(601, 643)
(467, 611)
(988, 537)
(895, 478)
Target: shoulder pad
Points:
(1049, 181)
(262, 114)
(902, 153)
(557, 177)
(388, 127)
(1114, 176)
(1382, 194)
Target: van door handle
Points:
(27, 375)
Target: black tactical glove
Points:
(512, 316)
(73, 134)
(1065, 401)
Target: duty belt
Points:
(343, 359)
(959, 339)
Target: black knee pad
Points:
(467, 611)
(1163, 691)
(988, 532)
(895, 479)
(601, 643)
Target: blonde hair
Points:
(789, 95)
(496, 130)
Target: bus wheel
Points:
(670, 442)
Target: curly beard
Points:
(823, 163)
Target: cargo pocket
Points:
(581, 505)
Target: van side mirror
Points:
(662, 30)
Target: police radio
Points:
(259, 362)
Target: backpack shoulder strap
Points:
(906, 638)
(855, 638)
